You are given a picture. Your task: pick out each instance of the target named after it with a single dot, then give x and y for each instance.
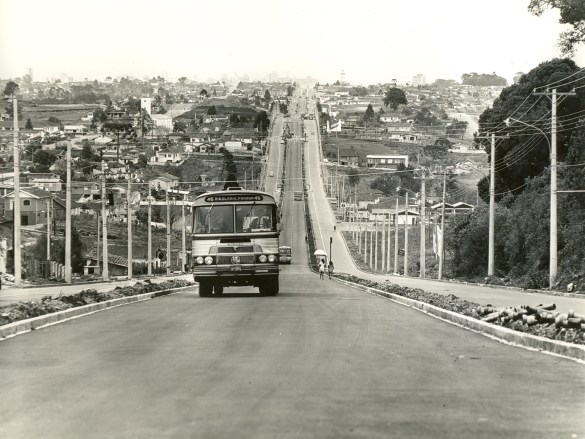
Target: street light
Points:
(552, 147)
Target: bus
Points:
(235, 241)
(285, 254)
(298, 195)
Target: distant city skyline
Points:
(374, 44)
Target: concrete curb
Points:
(556, 347)
(27, 325)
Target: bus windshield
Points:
(214, 219)
(255, 218)
(249, 218)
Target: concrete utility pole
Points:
(129, 220)
(491, 234)
(49, 200)
(389, 248)
(406, 237)
(376, 245)
(553, 182)
(16, 207)
(68, 218)
(442, 241)
(183, 237)
(383, 242)
(168, 233)
(105, 270)
(149, 250)
(396, 239)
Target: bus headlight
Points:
(199, 260)
(271, 258)
(208, 260)
(262, 258)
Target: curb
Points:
(542, 344)
(22, 326)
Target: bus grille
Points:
(227, 260)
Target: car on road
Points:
(271, 173)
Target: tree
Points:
(212, 110)
(203, 93)
(370, 114)
(28, 125)
(526, 153)
(43, 160)
(457, 128)
(182, 80)
(572, 12)
(353, 177)
(262, 122)
(10, 89)
(267, 96)
(234, 119)
(179, 126)
(142, 161)
(394, 97)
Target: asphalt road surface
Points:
(318, 360)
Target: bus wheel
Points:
(218, 289)
(205, 288)
(269, 287)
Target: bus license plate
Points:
(235, 268)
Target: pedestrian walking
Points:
(330, 269)
(321, 269)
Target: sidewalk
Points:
(11, 294)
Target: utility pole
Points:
(406, 237)
(168, 233)
(68, 218)
(16, 210)
(183, 237)
(491, 234)
(553, 183)
(423, 225)
(442, 241)
(389, 243)
(105, 271)
(376, 245)
(49, 229)
(383, 242)
(149, 251)
(396, 239)
(129, 219)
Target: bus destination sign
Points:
(232, 198)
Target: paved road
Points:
(317, 360)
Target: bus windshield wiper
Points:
(248, 214)
(206, 223)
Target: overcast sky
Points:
(372, 41)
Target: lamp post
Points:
(552, 146)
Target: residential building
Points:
(386, 161)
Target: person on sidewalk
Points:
(330, 269)
(321, 269)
